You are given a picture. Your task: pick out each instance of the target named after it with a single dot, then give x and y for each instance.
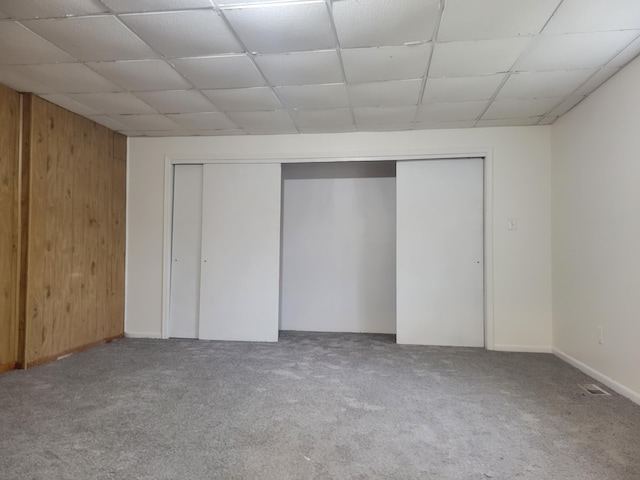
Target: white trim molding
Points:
(523, 348)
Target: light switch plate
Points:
(512, 223)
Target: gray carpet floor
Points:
(312, 406)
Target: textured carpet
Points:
(312, 406)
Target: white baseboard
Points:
(523, 348)
(602, 378)
(142, 335)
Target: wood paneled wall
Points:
(62, 237)
(74, 290)
(9, 199)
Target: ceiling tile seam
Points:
(19, 22)
(329, 5)
(434, 38)
(252, 59)
(551, 16)
(493, 97)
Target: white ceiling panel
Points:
(386, 63)
(367, 116)
(20, 81)
(223, 71)
(249, 2)
(193, 33)
(68, 78)
(69, 104)
(203, 121)
(177, 101)
(141, 75)
(378, 23)
(509, 122)
(461, 59)
(449, 112)
(97, 38)
(322, 118)
(598, 79)
(126, 6)
(547, 120)
(386, 127)
(628, 54)
(574, 51)
(258, 123)
(543, 84)
(313, 96)
(28, 9)
(146, 122)
(567, 105)
(595, 16)
(487, 19)
(218, 133)
(108, 122)
(461, 89)
(108, 103)
(385, 94)
(328, 129)
(503, 109)
(283, 27)
(301, 68)
(443, 125)
(244, 99)
(21, 46)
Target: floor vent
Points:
(593, 389)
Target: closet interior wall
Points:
(66, 219)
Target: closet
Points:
(377, 247)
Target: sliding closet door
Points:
(240, 269)
(440, 298)
(185, 251)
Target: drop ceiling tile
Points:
(203, 121)
(385, 63)
(146, 122)
(574, 51)
(461, 89)
(462, 59)
(108, 103)
(313, 96)
(68, 78)
(594, 16)
(218, 133)
(378, 23)
(283, 27)
(244, 99)
(20, 46)
(547, 120)
(14, 78)
(329, 129)
(510, 122)
(487, 19)
(28, 9)
(322, 118)
(566, 105)
(368, 116)
(501, 109)
(126, 6)
(69, 104)
(628, 54)
(302, 68)
(386, 127)
(385, 94)
(141, 75)
(248, 2)
(222, 71)
(598, 79)
(264, 122)
(436, 125)
(108, 122)
(543, 84)
(97, 38)
(449, 112)
(192, 33)
(177, 101)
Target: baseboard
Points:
(5, 367)
(142, 335)
(601, 377)
(523, 348)
(66, 353)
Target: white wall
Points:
(520, 177)
(339, 248)
(596, 232)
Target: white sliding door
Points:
(440, 299)
(185, 251)
(240, 269)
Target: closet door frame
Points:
(486, 153)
